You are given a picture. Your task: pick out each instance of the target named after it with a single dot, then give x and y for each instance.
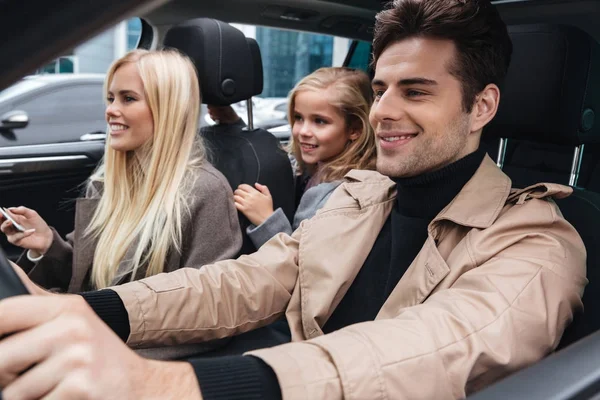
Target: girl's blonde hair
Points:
(352, 95)
(143, 194)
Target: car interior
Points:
(243, 154)
(546, 116)
(545, 130)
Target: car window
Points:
(60, 114)
(361, 56)
(63, 99)
(22, 87)
(287, 57)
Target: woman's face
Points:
(127, 112)
(319, 128)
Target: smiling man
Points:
(427, 280)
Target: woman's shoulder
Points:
(94, 189)
(207, 180)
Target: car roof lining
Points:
(354, 18)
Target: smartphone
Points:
(6, 215)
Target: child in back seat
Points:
(328, 111)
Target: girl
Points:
(328, 112)
(154, 204)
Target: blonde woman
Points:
(154, 204)
(331, 135)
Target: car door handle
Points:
(93, 136)
(43, 164)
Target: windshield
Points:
(23, 86)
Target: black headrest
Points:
(229, 65)
(258, 66)
(550, 91)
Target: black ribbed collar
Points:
(424, 196)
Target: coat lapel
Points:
(347, 226)
(477, 205)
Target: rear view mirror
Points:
(14, 120)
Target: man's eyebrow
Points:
(417, 81)
(407, 81)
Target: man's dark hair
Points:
(479, 34)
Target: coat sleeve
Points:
(214, 233)
(194, 305)
(503, 315)
(55, 269)
(276, 223)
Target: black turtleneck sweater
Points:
(418, 201)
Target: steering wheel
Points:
(10, 284)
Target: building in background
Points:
(288, 56)
(98, 53)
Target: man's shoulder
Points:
(532, 226)
(540, 190)
(531, 213)
(534, 204)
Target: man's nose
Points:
(389, 107)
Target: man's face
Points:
(417, 113)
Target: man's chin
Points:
(393, 170)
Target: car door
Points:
(44, 165)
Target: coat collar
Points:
(480, 201)
(477, 205)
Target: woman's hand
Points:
(38, 236)
(255, 204)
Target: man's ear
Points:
(485, 107)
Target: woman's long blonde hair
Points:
(352, 95)
(143, 194)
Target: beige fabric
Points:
(490, 292)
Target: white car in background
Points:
(268, 112)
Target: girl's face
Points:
(319, 128)
(127, 112)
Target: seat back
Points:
(582, 210)
(545, 119)
(230, 70)
(548, 104)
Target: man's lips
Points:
(395, 139)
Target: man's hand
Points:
(225, 115)
(32, 288)
(59, 349)
(255, 204)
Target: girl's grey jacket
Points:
(312, 200)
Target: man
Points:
(224, 115)
(428, 285)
